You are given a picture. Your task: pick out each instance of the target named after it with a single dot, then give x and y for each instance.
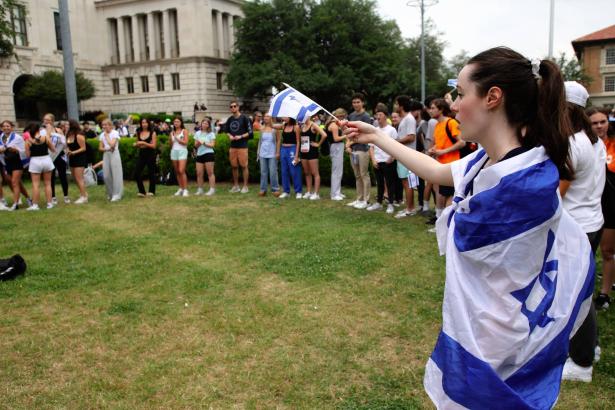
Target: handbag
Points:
(89, 176)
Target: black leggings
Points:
(386, 174)
(60, 165)
(148, 161)
(585, 340)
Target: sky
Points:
(523, 25)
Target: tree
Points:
(328, 50)
(7, 29)
(48, 89)
(457, 62)
(572, 70)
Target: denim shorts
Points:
(179, 154)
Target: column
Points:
(231, 33)
(166, 32)
(121, 41)
(136, 37)
(113, 40)
(220, 33)
(151, 36)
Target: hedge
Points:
(222, 167)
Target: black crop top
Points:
(289, 138)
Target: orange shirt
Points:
(442, 141)
(610, 153)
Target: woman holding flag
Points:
(519, 270)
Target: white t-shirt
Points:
(379, 154)
(583, 198)
(406, 127)
(113, 135)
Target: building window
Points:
(219, 81)
(18, 23)
(609, 84)
(610, 56)
(175, 80)
(130, 85)
(160, 82)
(56, 22)
(145, 84)
(115, 83)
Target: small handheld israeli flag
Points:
(519, 281)
(452, 82)
(291, 103)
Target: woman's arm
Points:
(323, 134)
(298, 138)
(372, 157)
(27, 149)
(184, 141)
(335, 131)
(421, 164)
(50, 144)
(154, 142)
(277, 144)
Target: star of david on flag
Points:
(293, 104)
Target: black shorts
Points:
(608, 203)
(209, 157)
(312, 154)
(13, 162)
(446, 191)
(78, 161)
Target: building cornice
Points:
(169, 61)
(111, 3)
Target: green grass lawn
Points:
(230, 301)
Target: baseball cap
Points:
(576, 93)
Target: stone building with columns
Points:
(142, 55)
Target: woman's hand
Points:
(314, 144)
(359, 132)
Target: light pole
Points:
(70, 84)
(551, 14)
(422, 4)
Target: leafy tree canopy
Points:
(49, 87)
(329, 50)
(572, 70)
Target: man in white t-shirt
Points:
(406, 134)
(383, 163)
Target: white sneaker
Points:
(179, 192)
(390, 209)
(353, 203)
(307, 195)
(54, 200)
(343, 196)
(374, 207)
(199, 191)
(66, 200)
(185, 192)
(361, 205)
(234, 189)
(244, 190)
(337, 198)
(574, 372)
(50, 205)
(299, 195)
(116, 198)
(404, 213)
(314, 197)
(3, 207)
(82, 200)
(14, 206)
(284, 195)
(33, 207)
(211, 192)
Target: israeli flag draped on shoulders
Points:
(519, 281)
(291, 103)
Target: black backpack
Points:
(469, 148)
(11, 268)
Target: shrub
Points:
(222, 166)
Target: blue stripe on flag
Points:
(279, 98)
(479, 155)
(304, 110)
(513, 206)
(472, 383)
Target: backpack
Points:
(13, 267)
(469, 148)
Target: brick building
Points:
(596, 52)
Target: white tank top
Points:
(179, 136)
